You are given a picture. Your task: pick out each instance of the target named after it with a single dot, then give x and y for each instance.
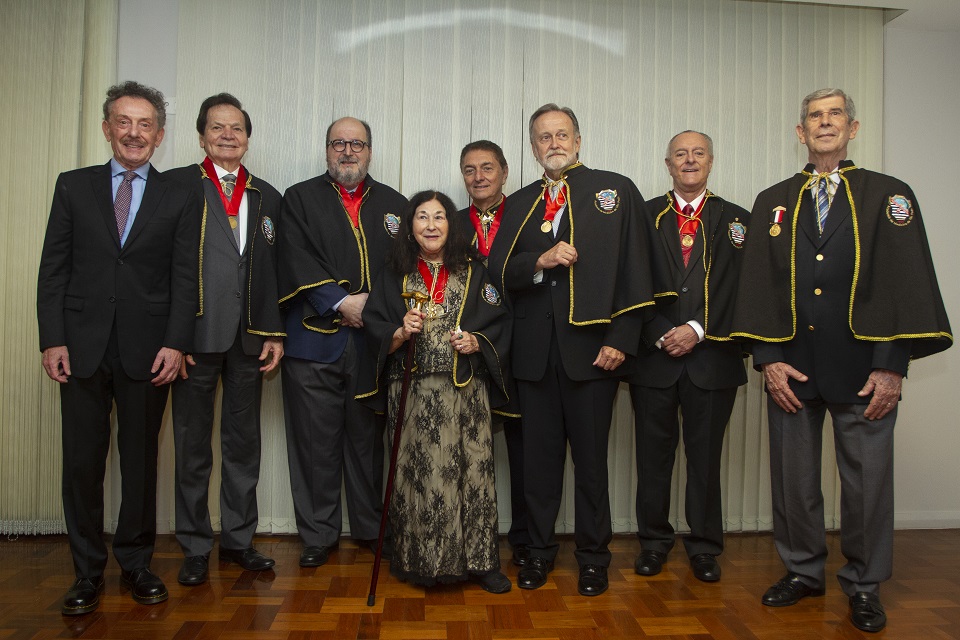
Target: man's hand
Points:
(885, 385)
(271, 353)
(680, 340)
(187, 360)
(351, 309)
(776, 375)
(56, 362)
(166, 365)
(609, 358)
(559, 254)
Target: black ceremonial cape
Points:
(607, 218)
(894, 294)
(319, 245)
(727, 229)
(482, 313)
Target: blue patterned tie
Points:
(823, 202)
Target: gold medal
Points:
(774, 230)
(233, 222)
(686, 241)
(547, 226)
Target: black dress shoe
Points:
(649, 563)
(789, 590)
(533, 575)
(83, 597)
(521, 553)
(866, 612)
(250, 559)
(593, 580)
(492, 581)
(705, 567)
(314, 556)
(145, 587)
(193, 571)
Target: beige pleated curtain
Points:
(429, 76)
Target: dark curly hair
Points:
(131, 89)
(457, 252)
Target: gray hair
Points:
(699, 133)
(820, 94)
(552, 106)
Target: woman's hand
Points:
(463, 341)
(412, 324)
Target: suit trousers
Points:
(193, 413)
(85, 405)
(556, 410)
(705, 414)
(513, 435)
(864, 451)
(330, 435)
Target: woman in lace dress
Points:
(443, 510)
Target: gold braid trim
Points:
(463, 303)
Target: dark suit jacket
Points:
(237, 291)
(88, 283)
(713, 364)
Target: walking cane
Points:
(418, 299)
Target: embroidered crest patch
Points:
(391, 222)
(899, 210)
(607, 201)
(269, 231)
(491, 295)
(737, 233)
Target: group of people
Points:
(527, 310)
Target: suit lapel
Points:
(103, 192)
(216, 211)
(253, 213)
(152, 196)
(808, 216)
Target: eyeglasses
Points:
(355, 145)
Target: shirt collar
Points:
(693, 203)
(115, 169)
(223, 172)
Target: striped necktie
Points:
(823, 201)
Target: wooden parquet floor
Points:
(290, 603)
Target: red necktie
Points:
(688, 231)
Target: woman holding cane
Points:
(443, 506)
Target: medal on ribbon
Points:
(776, 219)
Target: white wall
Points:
(921, 143)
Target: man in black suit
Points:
(336, 232)
(688, 363)
(484, 170)
(237, 339)
(837, 296)
(575, 256)
(116, 303)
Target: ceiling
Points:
(933, 15)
